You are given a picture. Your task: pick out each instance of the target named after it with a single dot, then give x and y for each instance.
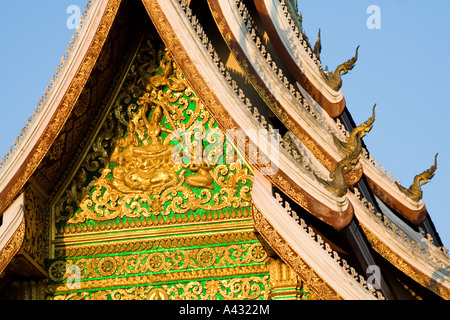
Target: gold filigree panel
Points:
(240, 288)
(159, 152)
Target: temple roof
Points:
(323, 166)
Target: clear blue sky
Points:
(404, 67)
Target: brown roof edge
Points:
(332, 108)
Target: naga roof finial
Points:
(318, 47)
(352, 146)
(365, 127)
(334, 79)
(415, 190)
(337, 184)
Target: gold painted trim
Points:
(396, 260)
(292, 258)
(181, 230)
(162, 278)
(133, 245)
(13, 246)
(113, 226)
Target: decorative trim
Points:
(244, 282)
(161, 262)
(292, 258)
(12, 232)
(161, 242)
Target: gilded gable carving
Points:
(157, 164)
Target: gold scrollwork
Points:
(156, 261)
(240, 288)
(36, 226)
(257, 252)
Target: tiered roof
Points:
(322, 203)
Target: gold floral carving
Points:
(112, 203)
(159, 278)
(230, 216)
(180, 241)
(292, 258)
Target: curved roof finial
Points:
(334, 79)
(415, 190)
